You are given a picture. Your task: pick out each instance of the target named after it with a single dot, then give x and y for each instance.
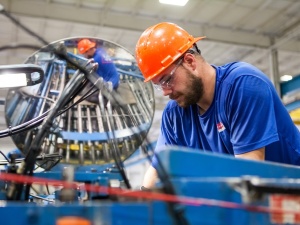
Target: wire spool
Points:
(87, 132)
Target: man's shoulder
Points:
(232, 71)
(244, 68)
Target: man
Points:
(232, 109)
(106, 67)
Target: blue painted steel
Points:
(293, 105)
(289, 86)
(193, 173)
(186, 162)
(103, 136)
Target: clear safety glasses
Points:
(167, 81)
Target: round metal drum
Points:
(84, 131)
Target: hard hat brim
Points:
(175, 58)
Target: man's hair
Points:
(194, 49)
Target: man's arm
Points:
(150, 177)
(258, 154)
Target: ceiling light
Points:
(174, 2)
(19, 75)
(286, 77)
(13, 80)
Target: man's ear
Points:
(190, 60)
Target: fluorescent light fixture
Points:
(13, 80)
(174, 2)
(286, 77)
(19, 75)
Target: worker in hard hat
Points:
(106, 67)
(231, 109)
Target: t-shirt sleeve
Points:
(251, 114)
(166, 136)
(160, 142)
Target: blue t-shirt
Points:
(246, 114)
(106, 67)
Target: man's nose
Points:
(167, 91)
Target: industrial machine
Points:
(70, 163)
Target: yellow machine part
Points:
(295, 114)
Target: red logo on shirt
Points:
(220, 127)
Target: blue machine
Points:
(210, 189)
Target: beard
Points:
(193, 93)
(88, 56)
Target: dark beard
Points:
(194, 92)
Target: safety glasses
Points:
(167, 81)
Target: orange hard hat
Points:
(84, 45)
(161, 45)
